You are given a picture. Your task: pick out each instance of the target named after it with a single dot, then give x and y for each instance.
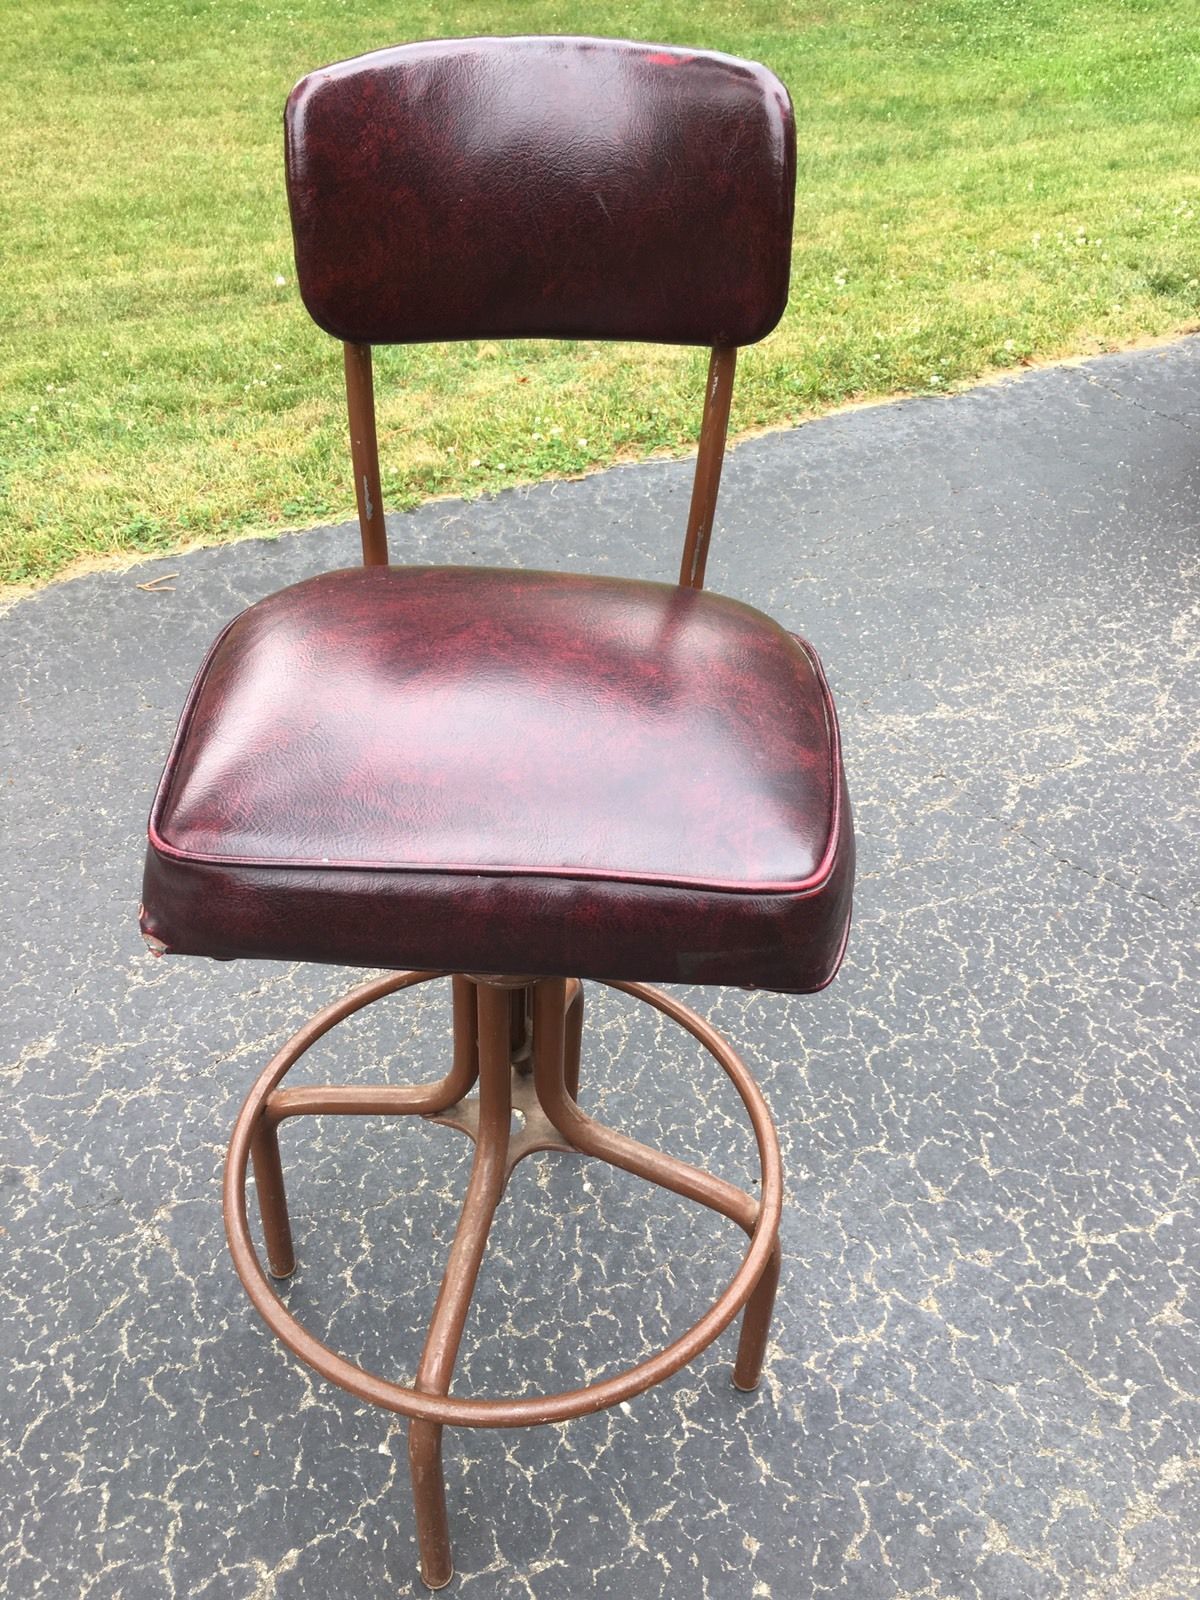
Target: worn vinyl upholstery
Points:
(571, 188)
(507, 772)
(501, 771)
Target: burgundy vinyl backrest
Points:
(542, 187)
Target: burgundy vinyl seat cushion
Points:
(507, 772)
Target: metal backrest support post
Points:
(714, 426)
(364, 451)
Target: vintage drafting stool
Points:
(513, 779)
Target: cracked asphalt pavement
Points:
(984, 1382)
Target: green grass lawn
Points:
(981, 183)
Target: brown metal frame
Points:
(710, 456)
(518, 1041)
(364, 453)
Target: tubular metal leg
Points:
(573, 1038)
(272, 1198)
(489, 1173)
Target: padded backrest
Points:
(556, 187)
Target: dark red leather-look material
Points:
(578, 188)
(497, 771)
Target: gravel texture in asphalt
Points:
(985, 1376)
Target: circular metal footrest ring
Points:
(471, 1413)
